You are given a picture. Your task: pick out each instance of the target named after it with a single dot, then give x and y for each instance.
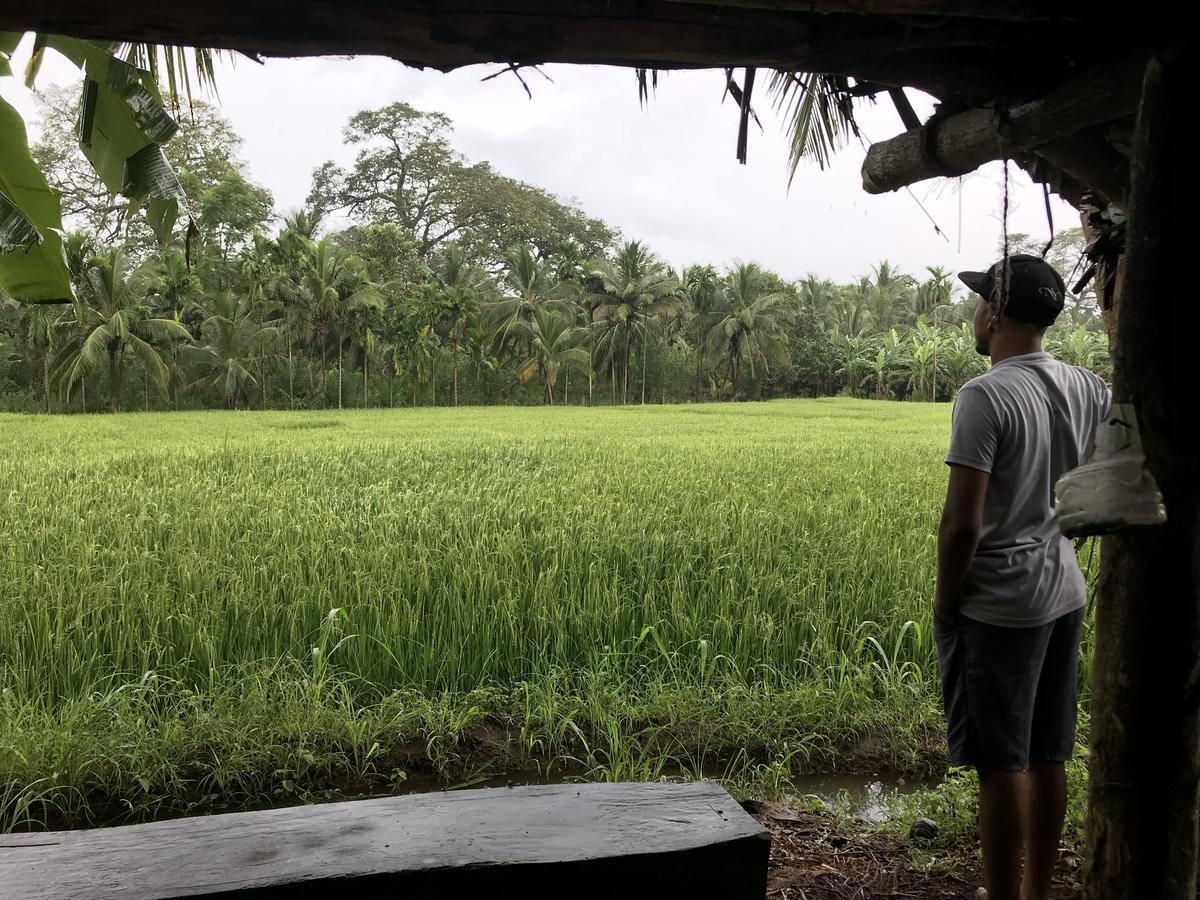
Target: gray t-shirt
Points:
(1027, 420)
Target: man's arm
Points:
(958, 536)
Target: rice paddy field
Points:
(209, 611)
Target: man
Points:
(1010, 596)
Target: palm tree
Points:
(637, 288)
(233, 340)
(528, 285)
(569, 264)
(79, 247)
(935, 291)
(113, 319)
(176, 292)
(701, 284)
(330, 283)
(358, 324)
(672, 318)
(889, 295)
(461, 285)
(588, 296)
(299, 228)
(272, 269)
(39, 328)
(424, 354)
(554, 344)
(820, 295)
(354, 315)
(749, 325)
(479, 353)
(850, 308)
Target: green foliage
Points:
(407, 173)
(113, 320)
(32, 265)
(437, 292)
(233, 343)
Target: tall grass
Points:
(211, 608)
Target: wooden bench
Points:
(585, 840)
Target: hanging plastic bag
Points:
(1114, 489)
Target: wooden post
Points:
(963, 142)
(1143, 822)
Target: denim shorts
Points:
(1010, 694)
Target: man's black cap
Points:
(1036, 293)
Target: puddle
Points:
(859, 796)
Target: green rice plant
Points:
(208, 610)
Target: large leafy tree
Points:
(113, 320)
(407, 173)
(390, 255)
(203, 152)
(230, 212)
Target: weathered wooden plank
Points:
(634, 840)
(1015, 10)
(968, 57)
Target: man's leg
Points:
(1003, 821)
(1052, 741)
(1001, 674)
(1047, 809)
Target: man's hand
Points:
(945, 611)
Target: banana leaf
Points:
(121, 125)
(33, 266)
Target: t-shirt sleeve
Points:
(974, 430)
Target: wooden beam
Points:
(1144, 779)
(590, 840)
(1089, 159)
(963, 142)
(948, 57)
(1042, 171)
(1012, 10)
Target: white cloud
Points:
(665, 173)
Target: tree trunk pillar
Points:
(1143, 827)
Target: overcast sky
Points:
(665, 174)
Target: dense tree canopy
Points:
(450, 284)
(407, 173)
